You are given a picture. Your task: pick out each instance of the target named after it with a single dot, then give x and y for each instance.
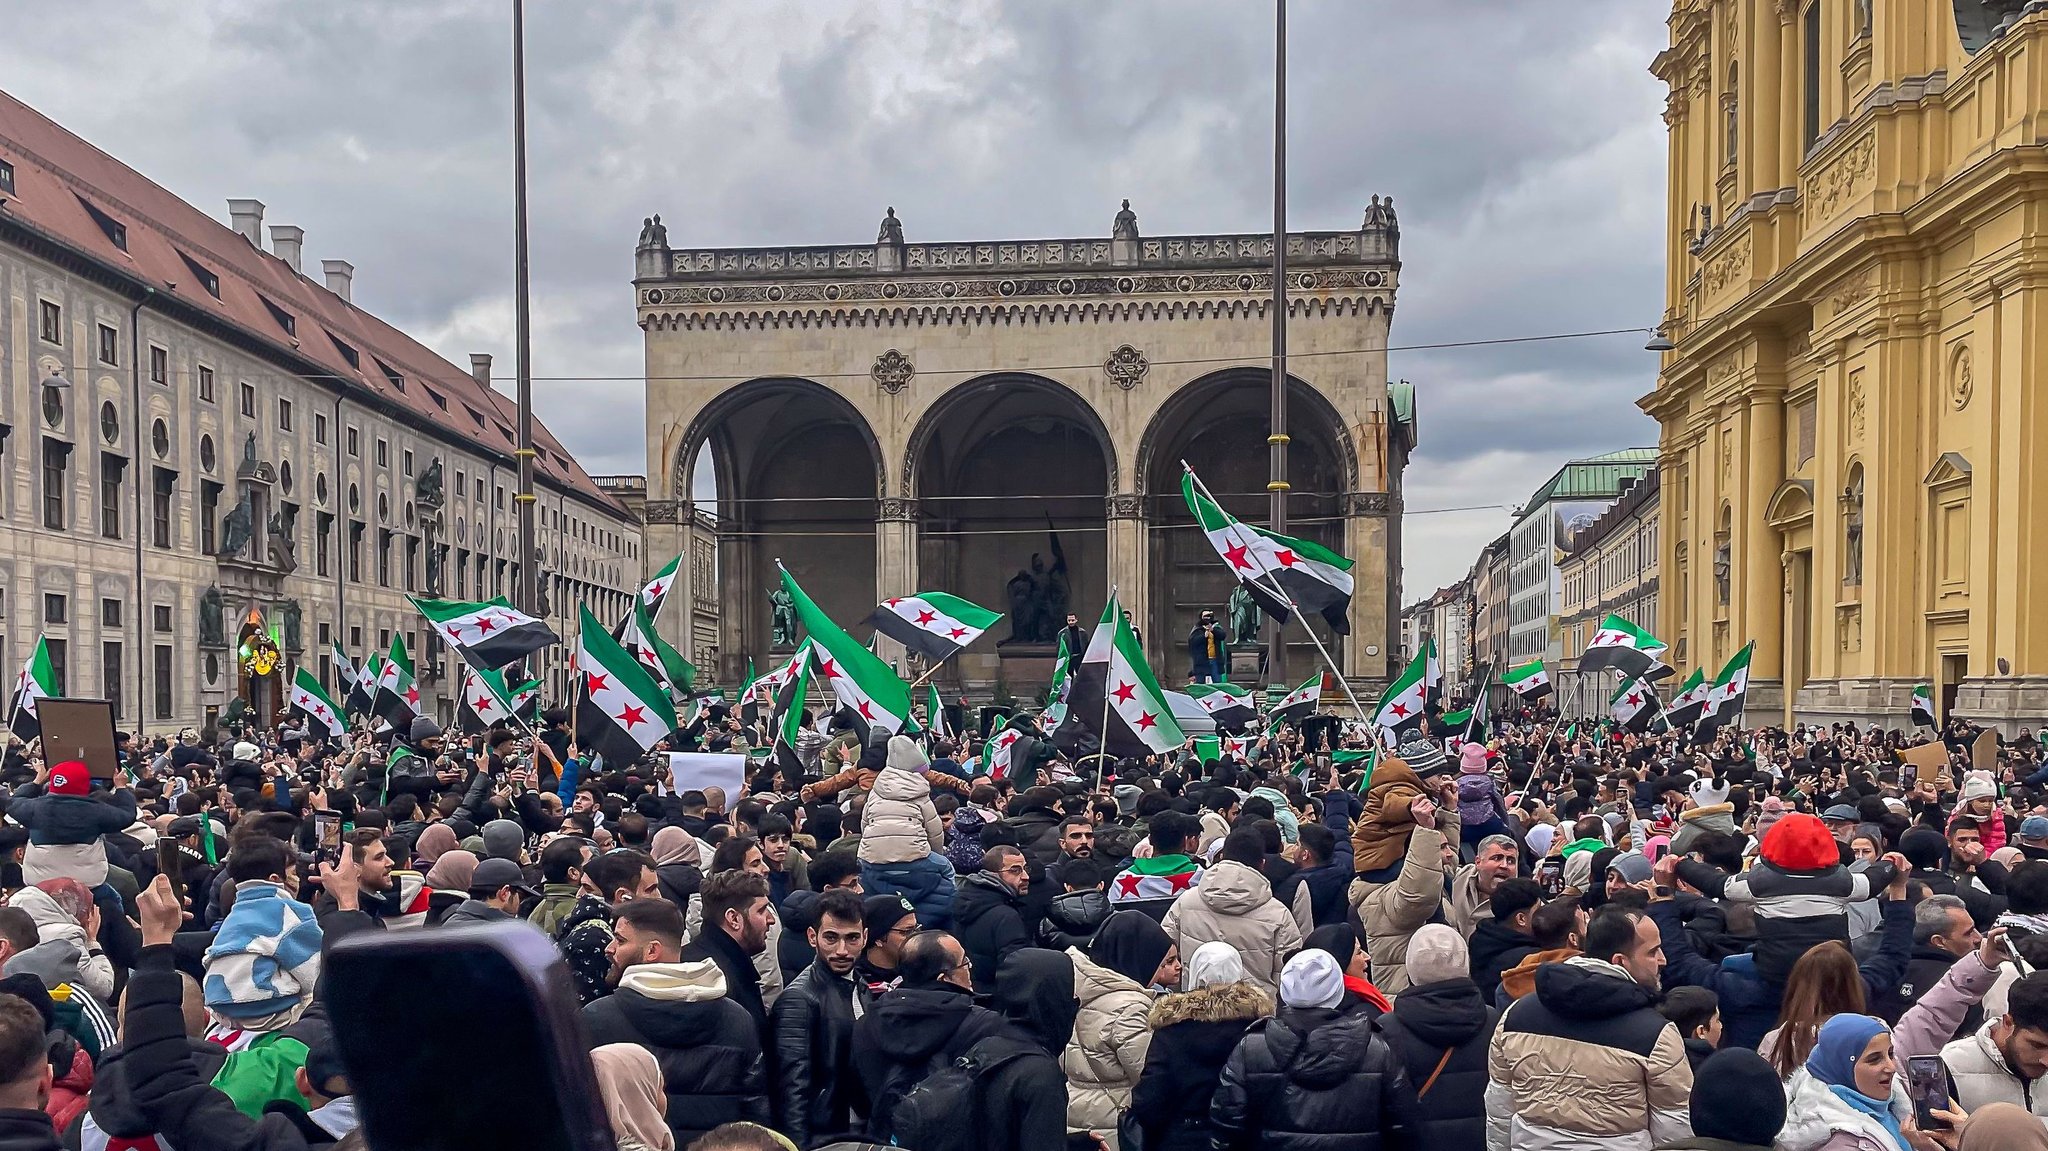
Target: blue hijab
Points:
(1836, 1049)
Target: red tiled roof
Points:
(57, 174)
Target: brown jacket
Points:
(1380, 836)
(1520, 979)
(863, 779)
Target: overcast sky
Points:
(1520, 138)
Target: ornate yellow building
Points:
(1854, 463)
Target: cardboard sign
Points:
(1984, 753)
(79, 729)
(695, 771)
(1926, 760)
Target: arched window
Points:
(1724, 556)
(1730, 113)
(1810, 93)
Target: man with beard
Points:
(736, 920)
(709, 1052)
(817, 1090)
(918, 1028)
(1472, 886)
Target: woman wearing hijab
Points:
(630, 1082)
(678, 865)
(2003, 1127)
(1113, 979)
(1341, 943)
(1024, 1101)
(1850, 1096)
(1193, 1034)
(437, 840)
(1313, 1077)
(448, 883)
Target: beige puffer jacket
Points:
(1235, 905)
(898, 823)
(1107, 1053)
(1391, 912)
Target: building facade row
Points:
(1608, 567)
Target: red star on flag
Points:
(633, 716)
(894, 601)
(1181, 881)
(480, 705)
(1236, 555)
(597, 684)
(484, 624)
(925, 617)
(1285, 557)
(826, 669)
(1634, 699)
(866, 710)
(957, 632)
(1399, 709)
(1146, 721)
(654, 590)
(412, 698)
(1123, 693)
(1127, 884)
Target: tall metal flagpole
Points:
(528, 566)
(1276, 481)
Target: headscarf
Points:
(674, 845)
(1311, 979)
(629, 1080)
(453, 871)
(2003, 1127)
(1836, 1048)
(1539, 839)
(1035, 990)
(1337, 939)
(1214, 963)
(1132, 944)
(437, 840)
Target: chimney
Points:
(286, 242)
(246, 216)
(480, 367)
(340, 274)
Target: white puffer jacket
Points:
(1235, 905)
(1816, 1119)
(898, 824)
(1981, 1076)
(95, 973)
(1112, 1035)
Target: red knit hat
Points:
(70, 778)
(1800, 842)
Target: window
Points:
(501, 497)
(391, 374)
(383, 459)
(284, 415)
(355, 552)
(163, 681)
(112, 470)
(116, 232)
(355, 638)
(384, 558)
(319, 427)
(110, 674)
(440, 401)
(205, 384)
(159, 365)
(56, 609)
(209, 515)
(110, 345)
(284, 319)
(60, 662)
(207, 279)
(248, 399)
(412, 563)
(323, 541)
(163, 486)
(355, 444)
(110, 613)
(56, 476)
(52, 322)
(6, 177)
(160, 617)
(347, 353)
(406, 461)
(1810, 97)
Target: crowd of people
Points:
(1755, 939)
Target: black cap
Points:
(494, 873)
(883, 912)
(1736, 1096)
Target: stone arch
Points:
(1007, 385)
(1303, 399)
(740, 395)
(1791, 505)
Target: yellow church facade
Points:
(1853, 452)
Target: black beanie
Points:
(1737, 1097)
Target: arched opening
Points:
(1219, 425)
(791, 471)
(1004, 467)
(260, 663)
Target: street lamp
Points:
(1659, 342)
(53, 380)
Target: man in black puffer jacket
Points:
(1440, 1028)
(926, 1023)
(988, 913)
(1504, 939)
(1312, 1078)
(818, 1097)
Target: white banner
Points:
(695, 771)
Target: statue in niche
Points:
(283, 550)
(1126, 225)
(1244, 616)
(1039, 596)
(237, 527)
(212, 617)
(292, 614)
(428, 488)
(1723, 567)
(782, 618)
(1852, 532)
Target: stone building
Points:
(1608, 567)
(1567, 501)
(202, 449)
(1851, 448)
(996, 419)
(1489, 581)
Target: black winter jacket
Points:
(818, 1096)
(909, 1033)
(1426, 1022)
(1495, 947)
(1314, 1079)
(27, 1131)
(1071, 919)
(1193, 1034)
(710, 1055)
(742, 981)
(989, 924)
(1923, 971)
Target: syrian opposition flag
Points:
(655, 593)
(1228, 704)
(1476, 721)
(1208, 747)
(1403, 704)
(397, 701)
(311, 700)
(344, 671)
(637, 635)
(858, 677)
(935, 713)
(363, 692)
(620, 711)
(489, 634)
(1113, 676)
(999, 754)
(1923, 706)
(1691, 700)
(1730, 691)
(1530, 681)
(1634, 706)
(1314, 577)
(749, 703)
(789, 705)
(932, 623)
(1432, 670)
(38, 680)
(1368, 757)
(1626, 648)
(1299, 703)
(768, 687)
(485, 702)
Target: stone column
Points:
(895, 559)
(1124, 517)
(1369, 543)
(1759, 608)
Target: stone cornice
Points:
(868, 305)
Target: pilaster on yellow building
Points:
(1854, 445)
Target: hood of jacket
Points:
(1583, 988)
(1445, 1014)
(912, 1023)
(1491, 939)
(1231, 888)
(1223, 1003)
(678, 1022)
(1079, 912)
(691, 981)
(1092, 980)
(977, 895)
(1813, 1114)
(901, 785)
(52, 921)
(53, 963)
(1319, 1046)
(113, 1100)
(473, 911)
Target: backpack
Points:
(944, 1112)
(1475, 800)
(963, 841)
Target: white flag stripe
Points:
(1253, 556)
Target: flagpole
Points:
(1281, 594)
(1102, 749)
